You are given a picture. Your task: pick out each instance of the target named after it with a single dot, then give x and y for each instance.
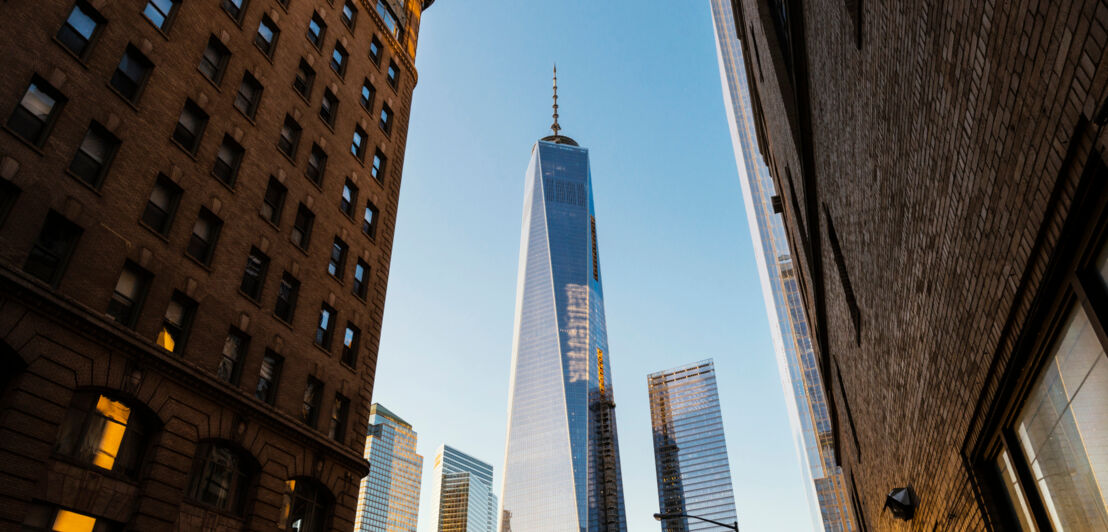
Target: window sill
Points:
(286, 324)
(270, 222)
(37, 149)
(161, 236)
(229, 186)
(217, 83)
(191, 154)
(132, 104)
(267, 55)
(236, 21)
(80, 60)
(298, 248)
(336, 279)
(286, 155)
(371, 238)
(318, 185)
(162, 32)
(322, 349)
(114, 475)
(305, 97)
(356, 158)
(330, 125)
(248, 118)
(94, 188)
(196, 261)
(256, 302)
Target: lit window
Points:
(266, 39)
(50, 253)
(273, 201)
(160, 12)
(268, 377)
(214, 60)
(253, 276)
(102, 432)
(325, 327)
(131, 74)
(361, 270)
(176, 323)
(338, 258)
(350, 344)
(221, 477)
(80, 28)
(249, 94)
(316, 29)
(230, 361)
(357, 145)
(309, 407)
(305, 506)
(205, 233)
(302, 226)
(349, 198)
(44, 517)
(190, 126)
(286, 298)
(130, 291)
(227, 160)
(91, 161)
(36, 111)
(162, 205)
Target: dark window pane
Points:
(325, 326)
(357, 145)
(309, 409)
(316, 28)
(52, 248)
(227, 160)
(349, 14)
(378, 170)
(160, 12)
(290, 136)
(306, 505)
(361, 273)
(375, 50)
(79, 28)
(317, 164)
(338, 59)
(214, 60)
(339, 412)
(273, 201)
(234, 350)
(36, 111)
(368, 92)
(349, 198)
(369, 219)
(131, 73)
(234, 8)
(190, 126)
(305, 77)
(302, 227)
(266, 39)
(253, 276)
(250, 92)
(162, 205)
(268, 377)
(176, 323)
(221, 477)
(286, 297)
(350, 344)
(393, 75)
(338, 258)
(386, 119)
(91, 161)
(205, 233)
(329, 107)
(129, 293)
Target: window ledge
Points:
(131, 104)
(206, 267)
(256, 302)
(163, 237)
(80, 60)
(94, 188)
(191, 155)
(25, 142)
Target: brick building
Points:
(940, 166)
(197, 202)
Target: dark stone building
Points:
(941, 169)
(197, 202)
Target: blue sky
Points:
(639, 86)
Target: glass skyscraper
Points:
(561, 463)
(788, 324)
(388, 500)
(462, 496)
(690, 452)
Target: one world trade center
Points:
(561, 459)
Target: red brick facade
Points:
(58, 340)
(941, 177)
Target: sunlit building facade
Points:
(800, 377)
(389, 497)
(690, 451)
(561, 464)
(461, 497)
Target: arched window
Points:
(105, 432)
(221, 477)
(306, 507)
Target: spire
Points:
(555, 125)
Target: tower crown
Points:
(556, 138)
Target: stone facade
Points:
(939, 166)
(58, 339)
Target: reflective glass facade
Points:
(388, 500)
(690, 452)
(788, 324)
(561, 464)
(462, 496)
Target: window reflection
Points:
(103, 432)
(305, 506)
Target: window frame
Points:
(132, 95)
(112, 143)
(267, 47)
(235, 370)
(226, 5)
(303, 84)
(188, 316)
(336, 266)
(231, 171)
(359, 287)
(317, 40)
(143, 282)
(263, 270)
(309, 407)
(95, 16)
(215, 227)
(288, 146)
(289, 302)
(174, 200)
(45, 127)
(348, 204)
(197, 136)
(316, 164)
(251, 104)
(278, 363)
(167, 17)
(325, 330)
(219, 68)
(352, 20)
(276, 210)
(65, 224)
(305, 230)
(350, 353)
(242, 477)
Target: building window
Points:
(129, 294)
(350, 344)
(100, 431)
(131, 74)
(234, 350)
(214, 60)
(389, 18)
(286, 298)
(221, 477)
(249, 94)
(8, 194)
(274, 201)
(375, 50)
(357, 145)
(368, 93)
(302, 226)
(290, 137)
(317, 164)
(338, 258)
(266, 39)
(305, 506)
(309, 407)
(162, 205)
(369, 220)
(36, 112)
(316, 29)
(52, 249)
(161, 12)
(329, 107)
(386, 118)
(361, 271)
(45, 517)
(349, 14)
(205, 234)
(340, 410)
(379, 161)
(349, 198)
(95, 154)
(325, 327)
(253, 276)
(190, 126)
(80, 28)
(338, 59)
(268, 377)
(176, 323)
(305, 78)
(234, 8)
(393, 74)
(227, 161)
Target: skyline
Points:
(461, 206)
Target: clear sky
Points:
(639, 86)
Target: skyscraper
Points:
(197, 204)
(800, 376)
(561, 463)
(388, 500)
(690, 452)
(462, 498)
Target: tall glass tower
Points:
(690, 451)
(388, 500)
(561, 459)
(462, 496)
(796, 361)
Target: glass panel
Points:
(1015, 492)
(112, 427)
(127, 285)
(81, 22)
(67, 521)
(1102, 266)
(1063, 426)
(37, 102)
